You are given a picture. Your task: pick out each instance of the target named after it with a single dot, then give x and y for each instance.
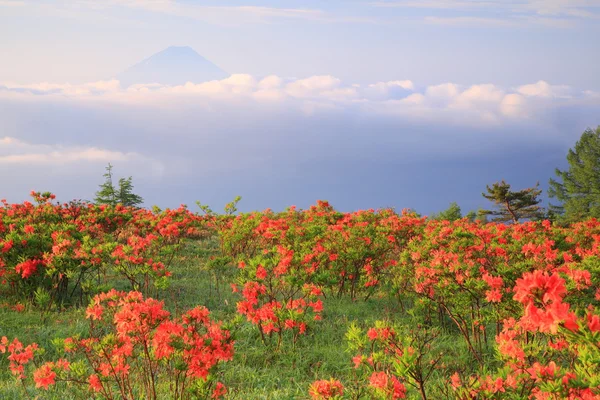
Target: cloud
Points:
(575, 8)
(509, 13)
(270, 82)
(17, 152)
(11, 3)
(279, 141)
(460, 21)
(197, 11)
(541, 7)
(313, 86)
(443, 91)
(91, 88)
(449, 102)
(514, 105)
(220, 15)
(391, 89)
(544, 89)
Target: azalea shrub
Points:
(58, 254)
(345, 254)
(18, 355)
(551, 352)
(391, 362)
(274, 299)
(134, 349)
(326, 389)
(464, 273)
(466, 310)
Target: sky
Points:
(367, 104)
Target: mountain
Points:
(173, 66)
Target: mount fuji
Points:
(173, 66)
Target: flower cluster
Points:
(135, 350)
(59, 248)
(326, 389)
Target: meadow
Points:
(126, 303)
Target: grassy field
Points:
(258, 371)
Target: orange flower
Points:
(95, 383)
(325, 389)
(44, 376)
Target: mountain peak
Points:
(178, 49)
(172, 66)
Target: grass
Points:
(257, 371)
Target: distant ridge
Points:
(173, 66)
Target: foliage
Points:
(57, 254)
(107, 193)
(513, 206)
(452, 213)
(578, 188)
(123, 195)
(466, 310)
(134, 350)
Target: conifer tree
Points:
(110, 195)
(512, 206)
(452, 213)
(126, 195)
(107, 193)
(578, 188)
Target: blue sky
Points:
(428, 41)
(365, 103)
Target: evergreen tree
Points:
(126, 195)
(477, 216)
(512, 206)
(110, 195)
(471, 216)
(452, 213)
(107, 193)
(578, 188)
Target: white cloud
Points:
(218, 14)
(414, 99)
(591, 93)
(575, 8)
(406, 84)
(544, 89)
(202, 12)
(91, 88)
(236, 84)
(14, 151)
(313, 86)
(542, 7)
(11, 3)
(506, 13)
(483, 102)
(270, 82)
(460, 21)
(481, 93)
(513, 105)
(223, 138)
(443, 94)
(382, 90)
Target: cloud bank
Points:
(505, 13)
(446, 102)
(224, 15)
(279, 141)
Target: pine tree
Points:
(110, 195)
(452, 213)
(107, 193)
(478, 215)
(512, 206)
(126, 195)
(578, 190)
